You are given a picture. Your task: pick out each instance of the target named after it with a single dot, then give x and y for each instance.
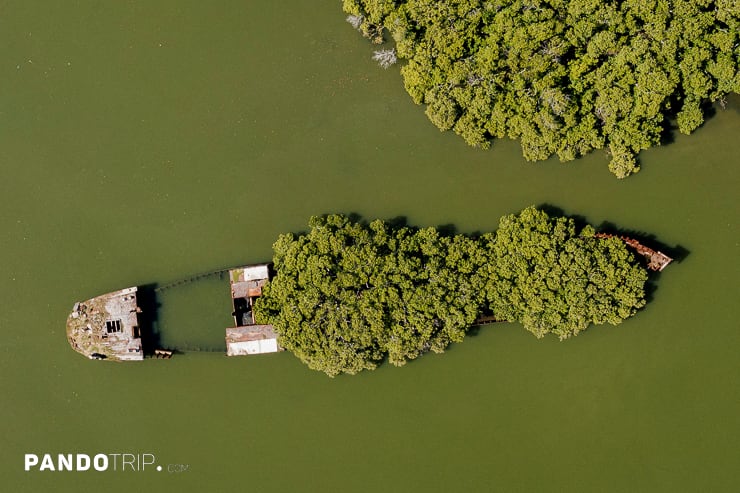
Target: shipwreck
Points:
(107, 327)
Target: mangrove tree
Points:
(563, 77)
(348, 295)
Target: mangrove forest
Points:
(348, 294)
(561, 77)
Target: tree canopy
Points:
(348, 295)
(544, 274)
(563, 77)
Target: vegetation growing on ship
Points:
(562, 76)
(348, 295)
(543, 273)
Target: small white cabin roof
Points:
(250, 273)
(251, 339)
(252, 347)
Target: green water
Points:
(141, 142)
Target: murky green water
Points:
(142, 142)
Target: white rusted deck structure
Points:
(251, 339)
(247, 337)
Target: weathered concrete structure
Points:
(107, 327)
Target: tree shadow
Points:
(448, 230)
(709, 109)
(731, 102)
(394, 223)
(668, 133)
(397, 222)
(352, 216)
(472, 331)
(555, 211)
(670, 130)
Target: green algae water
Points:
(142, 142)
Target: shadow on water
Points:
(153, 337)
(555, 211)
(393, 223)
(151, 334)
(472, 331)
(448, 230)
(668, 134)
(708, 109)
(193, 303)
(732, 102)
(399, 222)
(677, 253)
(148, 318)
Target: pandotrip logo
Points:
(118, 462)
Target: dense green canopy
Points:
(544, 275)
(348, 295)
(562, 76)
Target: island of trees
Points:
(562, 76)
(349, 295)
